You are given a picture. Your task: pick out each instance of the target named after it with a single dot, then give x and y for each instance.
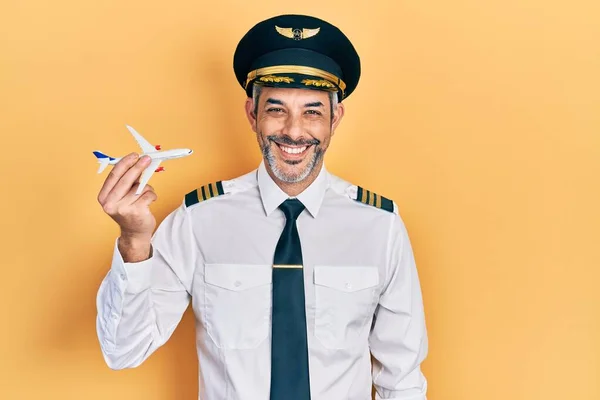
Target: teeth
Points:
(293, 150)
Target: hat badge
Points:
(296, 33)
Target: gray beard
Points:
(290, 178)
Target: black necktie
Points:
(289, 349)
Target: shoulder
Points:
(218, 190)
(361, 196)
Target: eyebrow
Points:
(314, 104)
(271, 100)
(274, 101)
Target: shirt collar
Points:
(272, 195)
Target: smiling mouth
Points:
(293, 150)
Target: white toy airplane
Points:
(148, 149)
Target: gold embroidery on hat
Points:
(276, 79)
(296, 69)
(318, 83)
(297, 34)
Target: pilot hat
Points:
(297, 51)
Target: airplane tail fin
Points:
(103, 159)
(100, 154)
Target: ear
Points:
(338, 114)
(249, 108)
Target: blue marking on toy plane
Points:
(102, 155)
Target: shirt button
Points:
(115, 316)
(237, 284)
(348, 286)
(122, 276)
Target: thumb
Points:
(146, 198)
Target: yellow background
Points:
(479, 118)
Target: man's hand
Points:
(130, 211)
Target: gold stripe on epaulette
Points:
(204, 193)
(373, 199)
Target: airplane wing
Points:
(147, 174)
(143, 143)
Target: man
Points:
(303, 285)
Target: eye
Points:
(313, 112)
(275, 110)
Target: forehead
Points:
(291, 95)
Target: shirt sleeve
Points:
(140, 304)
(398, 338)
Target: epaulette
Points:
(373, 199)
(204, 193)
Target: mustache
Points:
(286, 140)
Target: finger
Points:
(115, 174)
(131, 197)
(123, 186)
(146, 198)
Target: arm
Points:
(398, 338)
(141, 303)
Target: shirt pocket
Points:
(237, 306)
(345, 299)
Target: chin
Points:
(292, 171)
(291, 168)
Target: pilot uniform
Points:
(362, 315)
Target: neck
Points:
(295, 188)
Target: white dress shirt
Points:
(363, 295)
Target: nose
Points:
(293, 126)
